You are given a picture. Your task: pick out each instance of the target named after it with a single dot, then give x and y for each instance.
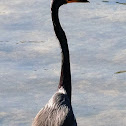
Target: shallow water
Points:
(30, 60)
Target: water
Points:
(30, 60)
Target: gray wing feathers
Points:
(57, 112)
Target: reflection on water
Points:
(31, 41)
(120, 72)
(105, 1)
(121, 3)
(115, 2)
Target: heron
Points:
(58, 111)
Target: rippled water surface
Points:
(30, 60)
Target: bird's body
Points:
(58, 111)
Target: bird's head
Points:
(61, 2)
(71, 1)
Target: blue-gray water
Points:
(30, 60)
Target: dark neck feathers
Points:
(65, 77)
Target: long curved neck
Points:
(65, 77)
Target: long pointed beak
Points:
(71, 1)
